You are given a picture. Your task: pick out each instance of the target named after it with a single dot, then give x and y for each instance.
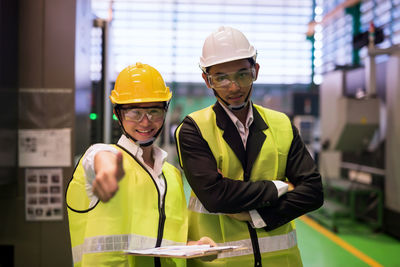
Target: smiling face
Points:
(144, 129)
(237, 84)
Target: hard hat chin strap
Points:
(235, 107)
(145, 143)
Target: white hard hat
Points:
(224, 45)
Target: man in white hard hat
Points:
(239, 158)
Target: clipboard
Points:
(185, 252)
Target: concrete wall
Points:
(47, 75)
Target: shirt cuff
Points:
(281, 187)
(256, 220)
(88, 167)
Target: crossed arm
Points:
(219, 194)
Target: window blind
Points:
(169, 35)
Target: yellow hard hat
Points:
(139, 83)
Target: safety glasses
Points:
(154, 114)
(242, 78)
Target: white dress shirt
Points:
(281, 187)
(159, 157)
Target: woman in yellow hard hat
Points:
(141, 86)
(126, 196)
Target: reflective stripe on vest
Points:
(266, 244)
(116, 243)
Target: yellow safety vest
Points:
(277, 247)
(132, 219)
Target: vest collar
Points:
(231, 134)
(223, 119)
(256, 138)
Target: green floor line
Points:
(381, 247)
(318, 250)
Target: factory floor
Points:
(354, 245)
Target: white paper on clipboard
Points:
(181, 251)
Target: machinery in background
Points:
(305, 118)
(357, 122)
(359, 136)
(308, 129)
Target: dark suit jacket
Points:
(219, 194)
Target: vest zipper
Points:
(162, 218)
(255, 245)
(161, 210)
(253, 236)
(161, 221)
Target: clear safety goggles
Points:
(242, 78)
(154, 114)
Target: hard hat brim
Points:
(142, 100)
(206, 65)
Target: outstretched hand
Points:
(109, 171)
